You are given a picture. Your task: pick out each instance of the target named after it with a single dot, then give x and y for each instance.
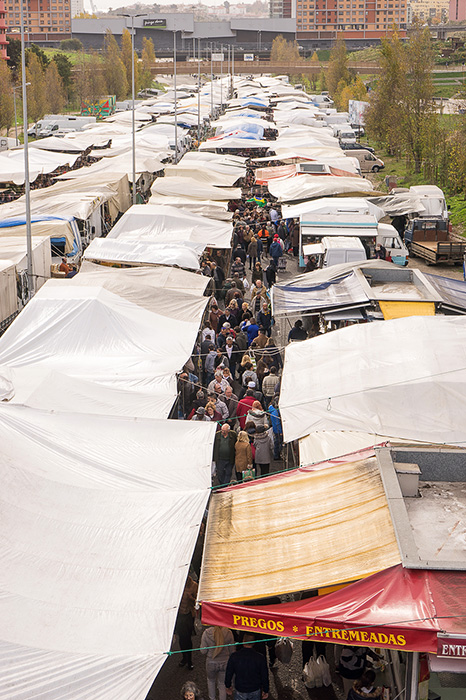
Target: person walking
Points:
(263, 442)
(224, 453)
(243, 454)
(184, 626)
(249, 669)
(252, 252)
(275, 250)
(214, 644)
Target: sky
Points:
(105, 5)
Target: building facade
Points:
(457, 11)
(3, 39)
(353, 19)
(44, 20)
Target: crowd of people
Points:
(233, 379)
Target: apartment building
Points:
(44, 20)
(3, 39)
(426, 10)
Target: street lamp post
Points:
(27, 186)
(211, 82)
(198, 92)
(133, 121)
(221, 78)
(18, 87)
(174, 89)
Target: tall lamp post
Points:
(133, 121)
(198, 92)
(174, 89)
(211, 83)
(27, 186)
(18, 87)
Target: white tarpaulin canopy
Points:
(193, 189)
(295, 189)
(206, 172)
(185, 254)
(164, 224)
(108, 345)
(330, 205)
(404, 378)
(100, 517)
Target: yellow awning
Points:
(309, 528)
(401, 309)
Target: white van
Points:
(368, 161)
(333, 250)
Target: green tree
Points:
(65, 68)
(89, 82)
(71, 45)
(401, 112)
(14, 53)
(55, 90)
(284, 51)
(7, 112)
(37, 51)
(148, 60)
(386, 101)
(114, 71)
(354, 91)
(418, 116)
(127, 58)
(37, 91)
(338, 67)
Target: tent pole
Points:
(412, 676)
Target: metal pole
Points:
(232, 69)
(174, 88)
(133, 122)
(198, 92)
(27, 187)
(221, 79)
(16, 120)
(211, 83)
(412, 676)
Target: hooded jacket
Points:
(263, 442)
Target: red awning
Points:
(395, 609)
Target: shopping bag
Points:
(312, 676)
(324, 671)
(284, 650)
(249, 474)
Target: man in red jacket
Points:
(244, 406)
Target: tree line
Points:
(55, 83)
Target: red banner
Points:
(451, 647)
(333, 632)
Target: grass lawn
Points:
(74, 57)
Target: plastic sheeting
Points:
(394, 609)
(330, 205)
(106, 345)
(75, 198)
(99, 521)
(193, 189)
(309, 187)
(109, 250)
(404, 378)
(164, 224)
(453, 292)
(204, 171)
(236, 144)
(307, 528)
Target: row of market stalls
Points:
(104, 495)
(363, 542)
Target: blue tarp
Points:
(247, 127)
(21, 221)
